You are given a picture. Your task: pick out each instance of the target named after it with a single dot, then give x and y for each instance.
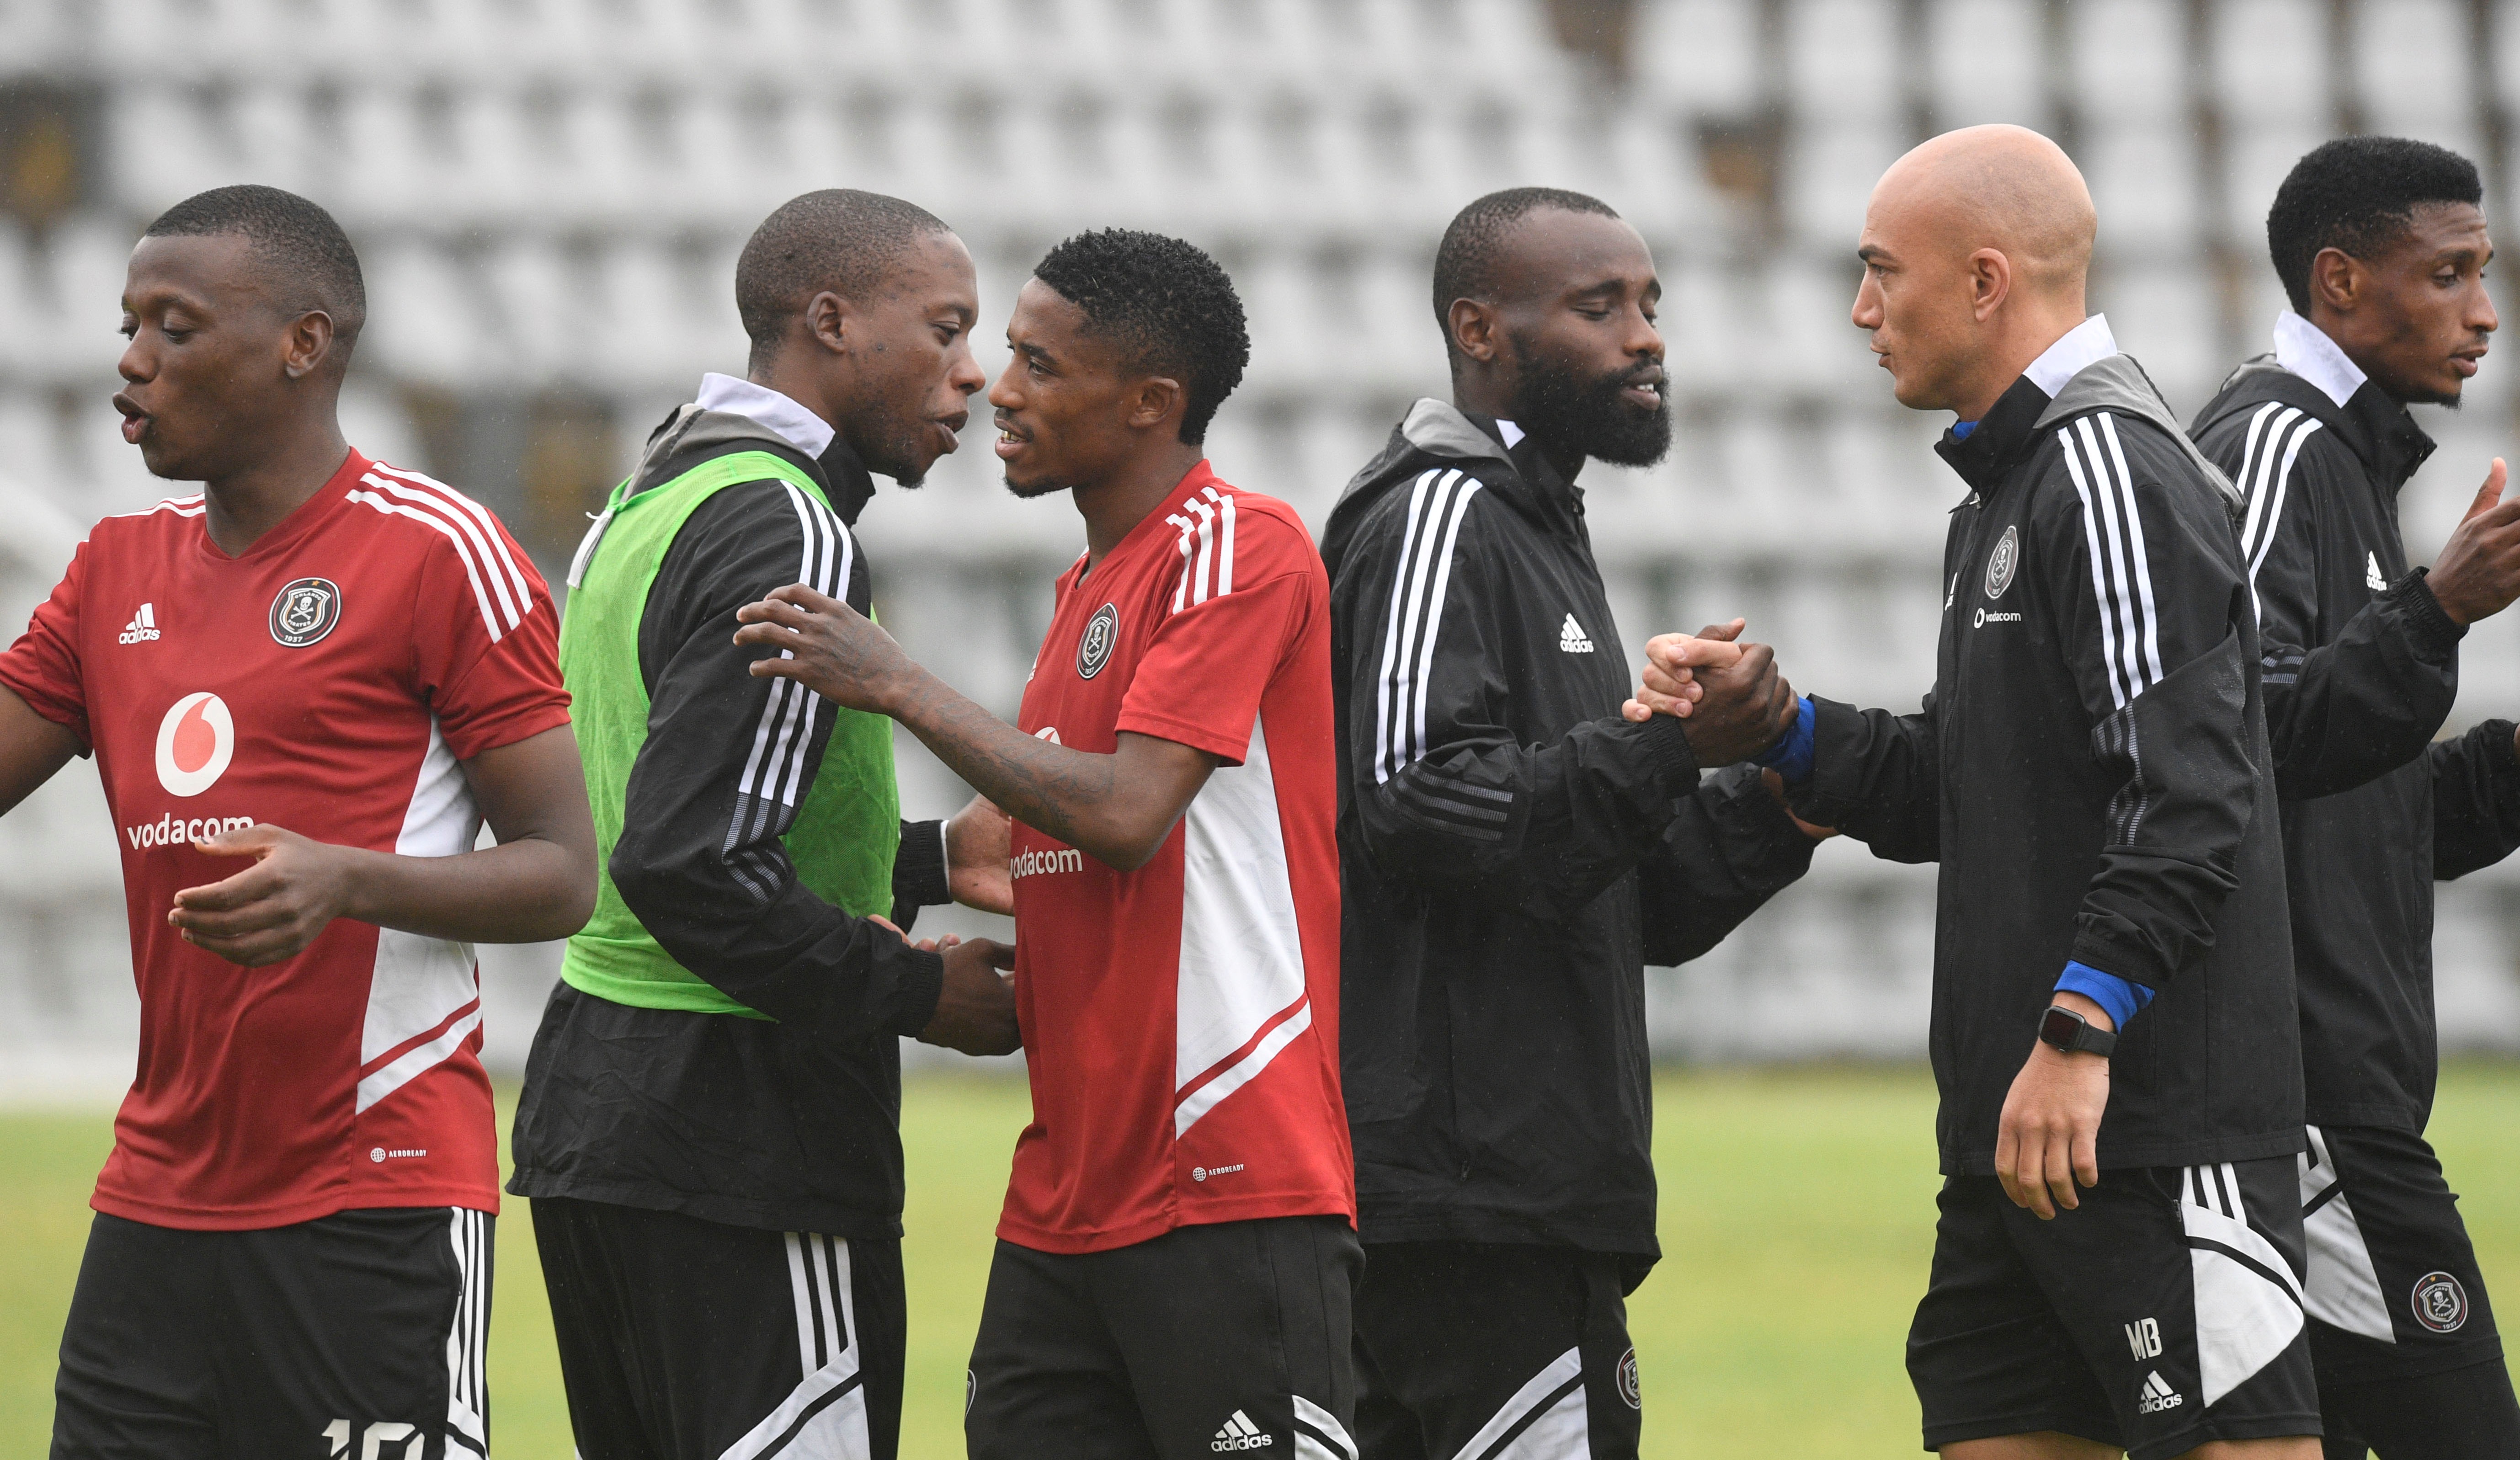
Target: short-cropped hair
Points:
(837, 239)
(311, 264)
(2358, 195)
(1168, 304)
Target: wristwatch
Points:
(2064, 1030)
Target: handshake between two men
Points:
(1738, 706)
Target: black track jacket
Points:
(1511, 853)
(792, 1126)
(2091, 772)
(2361, 667)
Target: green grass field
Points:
(1796, 1222)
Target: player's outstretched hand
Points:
(294, 889)
(2047, 1141)
(1744, 703)
(2476, 574)
(975, 1011)
(1668, 683)
(828, 647)
(977, 847)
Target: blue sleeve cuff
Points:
(1791, 756)
(2115, 994)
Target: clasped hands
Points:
(1729, 692)
(1736, 702)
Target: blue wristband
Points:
(2121, 998)
(1791, 756)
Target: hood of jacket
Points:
(1436, 435)
(2378, 429)
(2118, 384)
(2010, 430)
(692, 435)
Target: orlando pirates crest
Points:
(1999, 565)
(305, 611)
(1093, 646)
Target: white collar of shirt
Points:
(796, 425)
(2077, 349)
(1512, 433)
(2305, 350)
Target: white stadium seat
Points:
(2145, 184)
(2255, 163)
(1829, 177)
(1701, 56)
(2130, 59)
(2411, 66)
(1985, 59)
(2271, 64)
(1844, 62)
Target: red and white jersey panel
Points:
(331, 682)
(1182, 1021)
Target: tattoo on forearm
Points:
(1040, 783)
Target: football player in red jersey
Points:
(1178, 1248)
(332, 674)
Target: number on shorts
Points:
(372, 1439)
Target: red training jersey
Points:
(329, 681)
(1182, 1021)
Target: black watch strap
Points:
(2062, 1029)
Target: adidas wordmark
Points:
(1571, 638)
(142, 627)
(1239, 1433)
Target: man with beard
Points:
(1513, 852)
(710, 1124)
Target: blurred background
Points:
(548, 197)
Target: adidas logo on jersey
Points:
(143, 626)
(2156, 1396)
(1238, 1433)
(2371, 577)
(1571, 639)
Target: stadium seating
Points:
(548, 197)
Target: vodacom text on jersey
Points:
(195, 741)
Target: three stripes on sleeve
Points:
(768, 792)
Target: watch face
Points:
(2060, 1028)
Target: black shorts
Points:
(356, 1335)
(1213, 1340)
(1495, 1352)
(2394, 1292)
(2163, 1312)
(681, 1338)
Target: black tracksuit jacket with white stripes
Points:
(787, 1125)
(1512, 854)
(2091, 772)
(2362, 667)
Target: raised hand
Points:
(2478, 571)
(1741, 704)
(825, 646)
(1669, 678)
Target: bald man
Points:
(709, 1124)
(1513, 853)
(2119, 1258)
